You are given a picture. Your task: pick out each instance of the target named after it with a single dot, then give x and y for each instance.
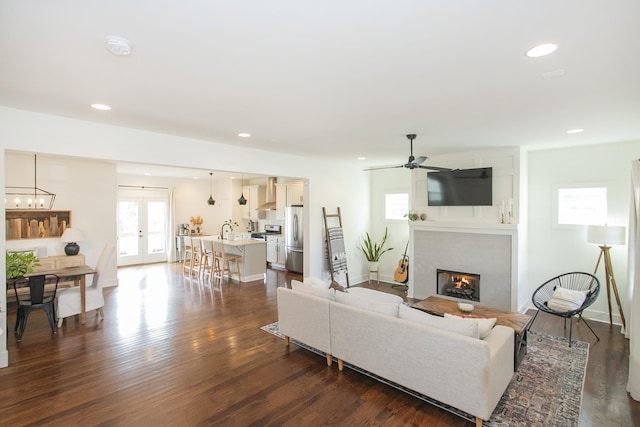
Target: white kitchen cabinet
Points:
(295, 193)
(281, 200)
(275, 250)
(255, 196)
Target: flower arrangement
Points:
(197, 220)
(231, 223)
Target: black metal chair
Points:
(35, 292)
(574, 281)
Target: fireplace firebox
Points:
(458, 285)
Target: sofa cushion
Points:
(371, 304)
(566, 299)
(373, 295)
(457, 326)
(316, 282)
(308, 289)
(485, 325)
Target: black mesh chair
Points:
(574, 281)
(35, 292)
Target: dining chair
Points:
(35, 292)
(196, 256)
(223, 261)
(68, 299)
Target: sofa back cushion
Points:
(309, 289)
(485, 326)
(457, 326)
(371, 304)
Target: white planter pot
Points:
(373, 265)
(231, 235)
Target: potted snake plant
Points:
(373, 250)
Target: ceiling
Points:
(333, 79)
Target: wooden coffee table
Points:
(518, 322)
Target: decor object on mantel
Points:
(604, 236)
(71, 236)
(29, 197)
(17, 264)
(210, 201)
(373, 250)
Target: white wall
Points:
(329, 184)
(554, 251)
(388, 181)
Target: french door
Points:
(142, 227)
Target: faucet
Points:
(222, 230)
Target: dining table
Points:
(77, 275)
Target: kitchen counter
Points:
(253, 264)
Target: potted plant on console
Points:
(373, 250)
(20, 263)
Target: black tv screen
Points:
(460, 187)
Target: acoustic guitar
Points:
(401, 274)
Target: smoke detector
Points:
(118, 46)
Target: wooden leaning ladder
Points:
(328, 242)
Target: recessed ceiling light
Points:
(195, 177)
(361, 158)
(244, 135)
(147, 174)
(118, 46)
(575, 130)
(102, 107)
(542, 50)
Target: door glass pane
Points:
(128, 228)
(156, 226)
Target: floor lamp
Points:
(604, 236)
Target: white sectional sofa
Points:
(441, 358)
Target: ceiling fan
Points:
(413, 162)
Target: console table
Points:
(518, 322)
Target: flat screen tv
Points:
(460, 187)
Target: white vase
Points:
(373, 265)
(231, 235)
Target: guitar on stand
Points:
(401, 274)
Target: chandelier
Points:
(29, 197)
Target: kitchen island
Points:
(253, 264)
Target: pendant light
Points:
(210, 202)
(242, 201)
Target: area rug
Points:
(546, 390)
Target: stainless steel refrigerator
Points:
(294, 238)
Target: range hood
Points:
(270, 203)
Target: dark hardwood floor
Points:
(174, 351)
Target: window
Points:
(396, 206)
(580, 205)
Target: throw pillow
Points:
(308, 289)
(316, 282)
(485, 326)
(566, 299)
(456, 326)
(387, 308)
(373, 295)
(338, 287)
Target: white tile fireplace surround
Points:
(489, 250)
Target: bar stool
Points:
(222, 261)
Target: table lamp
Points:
(604, 236)
(71, 236)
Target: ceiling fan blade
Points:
(420, 159)
(373, 168)
(433, 168)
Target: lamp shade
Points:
(606, 235)
(72, 235)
